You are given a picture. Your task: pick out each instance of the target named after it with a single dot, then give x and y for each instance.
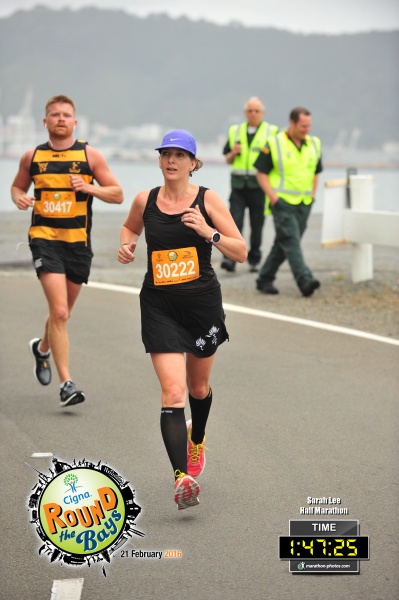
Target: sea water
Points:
(136, 176)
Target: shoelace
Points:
(179, 474)
(195, 452)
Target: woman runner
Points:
(182, 316)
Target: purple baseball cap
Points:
(179, 138)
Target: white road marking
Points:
(67, 589)
(63, 589)
(265, 315)
(111, 287)
(42, 455)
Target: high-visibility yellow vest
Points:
(293, 170)
(243, 164)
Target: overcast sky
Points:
(304, 16)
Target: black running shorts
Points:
(74, 262)
(193, 323)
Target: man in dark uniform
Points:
(242, 148)
(288, 171)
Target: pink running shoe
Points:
(195, 454)
(186, 491)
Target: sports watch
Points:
(215, 237)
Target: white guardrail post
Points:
(359, 225)
(362, 199)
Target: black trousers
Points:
(290, 221)
(254, 200)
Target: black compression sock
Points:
(174, 434)
(199, 416)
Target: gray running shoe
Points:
(41, 369)
(69, 395)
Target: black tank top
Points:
(166, 232)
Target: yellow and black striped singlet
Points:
(60, 214)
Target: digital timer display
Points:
(294, 547)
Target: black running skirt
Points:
(182, 323)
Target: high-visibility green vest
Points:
(243, 164)
(293, 170)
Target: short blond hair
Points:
(61, 99)
(198, 166)
(254, 99)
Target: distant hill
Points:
(123, 70)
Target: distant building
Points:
(19, 131)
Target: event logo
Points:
(82, 512)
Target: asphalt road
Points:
(371, 306)
(297, 412)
